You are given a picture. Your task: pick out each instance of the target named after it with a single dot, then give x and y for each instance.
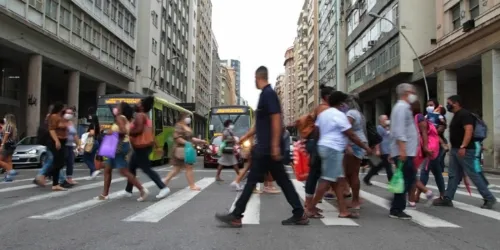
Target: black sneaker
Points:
(399, 215)
(67, 185)
(488, 204)
(229, 219)
(442, 202)
(367, 182)
(301, 221)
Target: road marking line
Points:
(54, 194)
(161, 209)
(420, 218)
(3, 190)
(329, 211)
(473, 187)
(462, 192)
(86, 205)
(252, 210)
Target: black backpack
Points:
(372, 134)
(43, 135)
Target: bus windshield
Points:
(105, 114)
(241, 123)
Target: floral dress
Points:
(184, 133)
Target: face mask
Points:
(115, 111)
(412, 98)
(449, 107)
(387, 122)
(430, 109)
(68, 116)
(231, 126)
(187, 120)
(4, 120)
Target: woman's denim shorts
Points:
(331, 163)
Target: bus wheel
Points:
(164, 158)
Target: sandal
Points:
(195, 188)
(314, 215)
(101, 197)
(350, 216)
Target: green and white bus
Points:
(241, 116)
(164, 115)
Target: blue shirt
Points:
(268, 105)
(385, 145)
(403, 129)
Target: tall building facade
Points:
(216, 75)
(290, 90)
(301, 54)
(232, 86)
(236, 65)
(204, 57)
(279, 87)
(192, 45)
(226, 86)
(312, 56)
(162, 49)
(69, 51)
(465, 60)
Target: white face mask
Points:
(387, 122)
(187, 120)
(430, 109)
(412, 98)
(4, 120)
(231, 126)
(68, 116)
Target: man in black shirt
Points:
(462, 155)
(266, 156)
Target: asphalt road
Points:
(36, 218)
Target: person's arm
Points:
(53, 123)
(422, 126)
(468, 123)
(177, 134)
(139, 123)
(121, 122)
(249, 134)
(6, 135)
(398, 130)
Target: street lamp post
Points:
(156, 73)
(411, 46)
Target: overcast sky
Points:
(256, 32)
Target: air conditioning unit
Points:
(329, 52)
(371, 43)
(365, 49)
(138, 68)
(356, 57)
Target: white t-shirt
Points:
(332, 123)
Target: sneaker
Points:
(144, 195)
(95, 174)
(488, 204)
(163, 193)
(442, 202)
(128, 194)
(8, 178)
(271, 190)
(301, 221)
(367, 181)
(399, 215)
(236, 186)
(12, 172)
(229, 219)
(412, 205)
(429, 195)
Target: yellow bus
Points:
(164, 115)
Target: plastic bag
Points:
(221, 148)
(397, 183)
(189, 154)
(300, 162)
(108, 146)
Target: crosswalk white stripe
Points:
(15, 188)
(329, 212)
(252, 210)
(462, 206)
(420, 218)
(54, 194)
(490, 187)
(161, 209)
(472, 194)
(86, 205)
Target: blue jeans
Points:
(49, 158)
(460, 165)
(88, 159)
(434, 166)
(409, 175)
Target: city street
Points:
(36, 218)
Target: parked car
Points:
(211, 153)
(29, 153)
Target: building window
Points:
(51, 9)
(87, 31)
(104, 43)
(474, 8)
(132, 28)
(154, 17)
(37, 4)
(98, 4)
(154, 46)
(105, 9)
(77, 25)
(114, 11)
(97, 37)
(120, 17)
(65, 18)
(127, 23)
(455, 16)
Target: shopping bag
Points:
(397, 183)
(300, 162)
(221, 148)
(109, 145)
(189, 154)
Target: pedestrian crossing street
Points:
(156, 211)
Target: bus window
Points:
(165, 116)
(158, 121)
(176, 115)
(171, 117)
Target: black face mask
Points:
(449, 107)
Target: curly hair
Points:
(127, 110)
(147, 103)
(227, 123)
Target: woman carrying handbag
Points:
(183, 135)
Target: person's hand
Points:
(276, 153)
(58, 145)
(377, 152)
(461, 152)
(369, 151)
(427, 152)
(349, 151)
(402, 155)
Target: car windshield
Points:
(30, 140)
(217, 140)
(241, 123)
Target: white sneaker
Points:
(144, 195)
(236, 186)
(95, 174)
(163, 193)
(127, 194)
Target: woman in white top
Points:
(335, 132)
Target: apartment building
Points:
(465, 60)
(312, 56)
(236, 65)
(192, 56)
(216, 75)
(69, 51)
(204, 57)
(279, 88)
(378, 56)
(290, 90)
(300, 63)
(232, 86)
(227, 81)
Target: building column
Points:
(446, 87)
(101, 89)
(73, 89)
(379, 108)
(490, 71)
(34, 91)
(367, 111)
(394, 97)
(422, 97)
